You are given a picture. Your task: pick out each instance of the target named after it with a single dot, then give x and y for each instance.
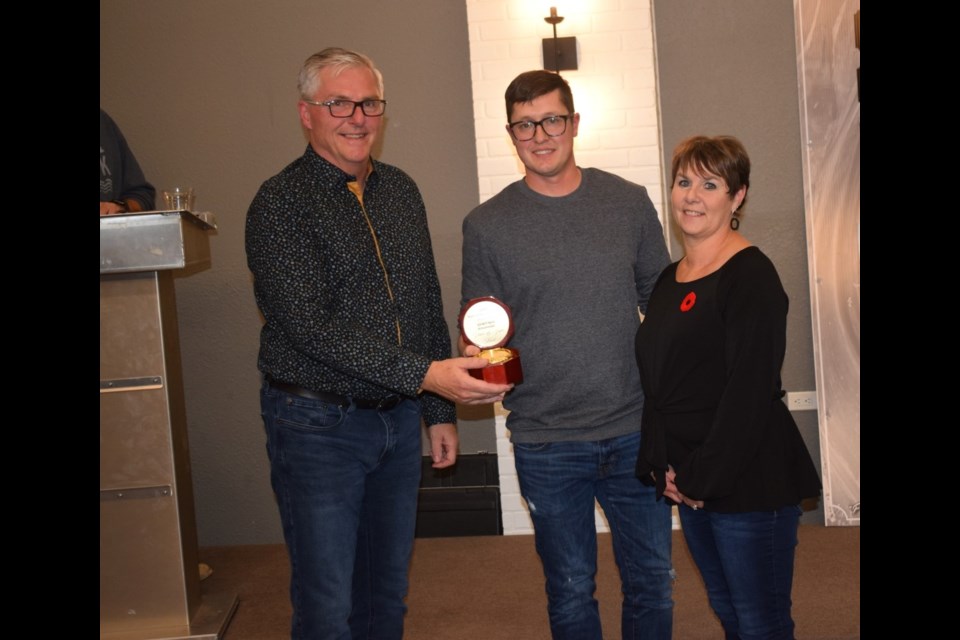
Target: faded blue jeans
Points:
(560, 481)
(346, 483)
(746, 560)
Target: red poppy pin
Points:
(688, 302)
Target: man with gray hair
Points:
(354, 353)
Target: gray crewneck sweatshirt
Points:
(575, 271)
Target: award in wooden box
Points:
(488, 324)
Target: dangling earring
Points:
(734, 223)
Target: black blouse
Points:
(710, 353)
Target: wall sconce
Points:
(559, 54)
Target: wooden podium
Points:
(149, 578)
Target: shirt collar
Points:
(333, 174)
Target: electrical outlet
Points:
(801, 400)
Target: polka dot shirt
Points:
(349, 291)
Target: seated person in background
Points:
(122, 185)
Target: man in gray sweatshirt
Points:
(575, 253)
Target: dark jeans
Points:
(746, 560)
(346, 483)
(560, 482)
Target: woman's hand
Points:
(674, 494)
(671, 490)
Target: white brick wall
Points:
(615, 93)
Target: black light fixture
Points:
(559, 54)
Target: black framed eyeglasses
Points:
(553, 126)
(340, 108)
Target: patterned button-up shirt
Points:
(347, 285)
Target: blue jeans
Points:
(346, 482)
(560, 481)
(746, 560)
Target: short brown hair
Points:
(530, 85)
(722, 156)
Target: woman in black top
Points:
(717, 438)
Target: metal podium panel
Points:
(128, 527)
(131, 338)
(153, 240)
(135, 446)
(149, 565)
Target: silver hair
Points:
(338, 60)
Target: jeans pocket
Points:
(531, 447)
(305, 414)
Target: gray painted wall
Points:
(205, 93)
(731, 68)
